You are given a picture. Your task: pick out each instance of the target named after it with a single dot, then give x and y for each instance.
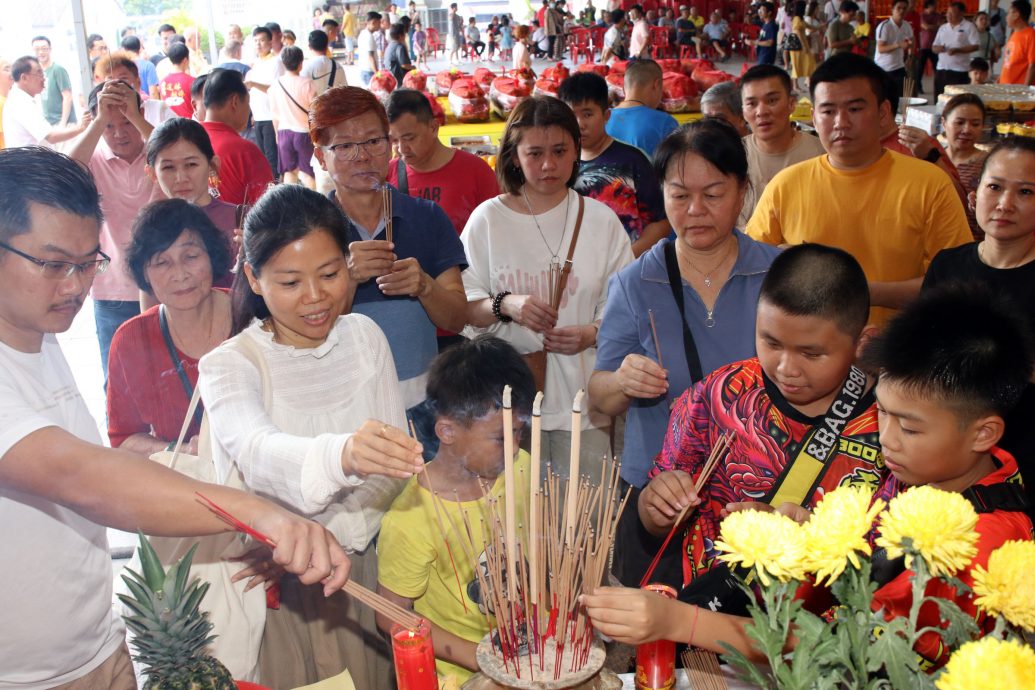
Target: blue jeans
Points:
(108, 315)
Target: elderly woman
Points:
(701, 288)
(516, 241)
(175, 255)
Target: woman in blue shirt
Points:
(704, 173)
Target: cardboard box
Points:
(925, 117)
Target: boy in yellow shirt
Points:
(416, 567)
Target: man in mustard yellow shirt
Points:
(893, 213)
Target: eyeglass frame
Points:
(333, 149)
(100, 265)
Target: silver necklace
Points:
(564, 230)
(708, 276)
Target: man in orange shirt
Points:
(1019, 58)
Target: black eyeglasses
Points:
(349, 151)
(60, 270)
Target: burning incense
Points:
(654, 333)
(573, 465)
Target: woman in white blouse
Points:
(330, 442)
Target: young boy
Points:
(978, 72)
(415, 565)
(613, 172)
(801, 414)
(952, 365)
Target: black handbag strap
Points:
(334, 71)
(181, 371)
(403, 182)
(282, 88)
(675, 282)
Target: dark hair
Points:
(222, 84)
(960, 345)
(166, 27)
(849, 6)
(762, 71)
(91, 99)
(1009, 143)
(617, 16)
(284, 214)
(292, 57)
(288, 33)
(330, 21)
(713, 139)
(274, 27)
(157, 228)
(92, 39)
(845, 66)
(403, 101)
(197, 87)
(584, 87)
(466, 381)
(39, 38)
(1023, 8)
(38, 175)
(816, 280)
(396, 31)
(959, 6)
(963, 99)
(980, 64)
(22, 66)
(318, 40)
(131, 43)
(263, 30)
(799, 8)
(178, 38)
(537, 111)
(178, 52)
(373, 16)
(178, 129)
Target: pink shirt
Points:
(125, 189)
(291, 115)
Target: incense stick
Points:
(533, 496)
(510, 493)
(386, 206)
(573, 463)
(654, 333)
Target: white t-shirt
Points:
(963, 34)
(57, 578)
(24, 124)
(366, 46)
(762, 167)
(889, 32)
(318, 71)
(264, 71)
(320, 396)
(506, 252)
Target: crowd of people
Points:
(350, 345)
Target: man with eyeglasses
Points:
(24, 123)
(112, 148)
(59, 487)
(407, 286)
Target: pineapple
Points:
(171, 634)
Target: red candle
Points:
(656, 661)
(414, 657)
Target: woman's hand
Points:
(529, 311)
(916, 139)
(370, 258)
(379, 448)
(260, 569)
(570, 340)
(641, 377)
(664, 498)
(631, 616)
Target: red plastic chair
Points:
(434, 41)
(660, 42)
(580, 44)
(740, 34)
(596, 37)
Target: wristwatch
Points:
(934, 155)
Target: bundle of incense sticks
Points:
(389, 609)
(702, 670)
(536, 568)
(718, 454)
(386, 207)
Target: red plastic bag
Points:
(504, 95)
(670, 65)
(688, 66)
(436, 108)
(415, 79)
(525, 75)
(615, 87)
(602, 70)
(468, 101)
(679, 93)
(444, 80)
(557, 73)
(618, 67)
(484, 77)
(705, 78)
(546, 87)
(382, 84)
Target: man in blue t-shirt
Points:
(765, 44)
(615, 174)
(636, 120)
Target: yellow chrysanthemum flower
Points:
(771, 543)
(989, 664)
(939, 523)
(1005, 588)
(836, 533)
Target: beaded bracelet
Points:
(497, 303)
